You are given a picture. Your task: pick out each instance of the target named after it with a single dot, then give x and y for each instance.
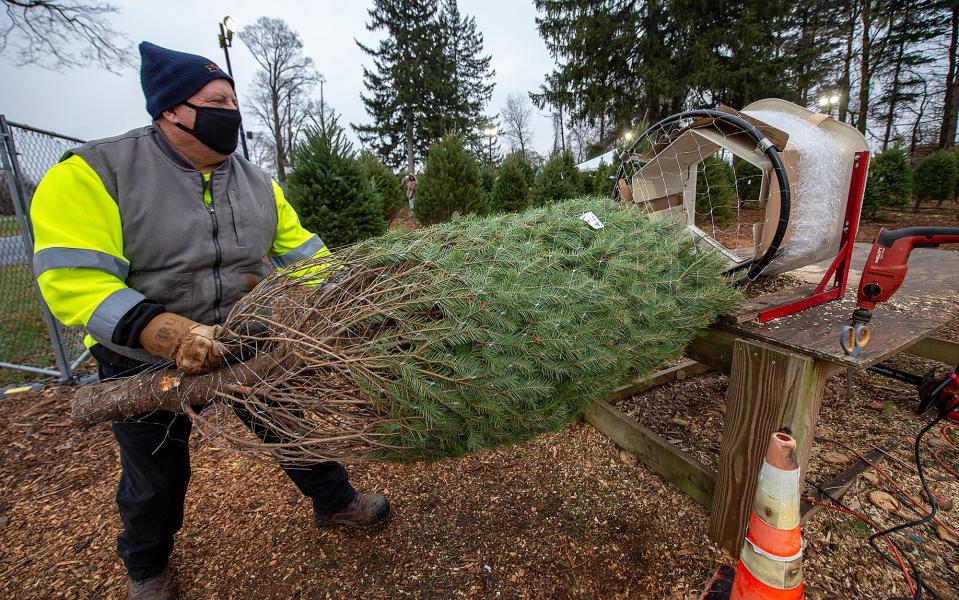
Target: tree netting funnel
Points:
(781, 210)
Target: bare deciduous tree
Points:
(262, 153)
(583, 137)
(517, 118)
(62, 34)
(280, 92)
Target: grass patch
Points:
(9, 226)
(852, 527)
(23, 334)
(886, 414)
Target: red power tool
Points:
(935, 391)
(884, 272)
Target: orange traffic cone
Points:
(770, 563)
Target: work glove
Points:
(193, 346)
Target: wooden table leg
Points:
(769, 389)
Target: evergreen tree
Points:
(385, 183)
(559, 180)
(889, 182)
(714, 190)
(511, 192)
(488, 174)
(406, 85)
(749, 181)
(450, 183)
(814, 45)
(429, 77)
(468, 74)
(600, 49)
(672, 54)
(603, 179)
(935, 177)
(526, 166)
(328, 188)
(913, 23)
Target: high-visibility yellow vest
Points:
(126, 219)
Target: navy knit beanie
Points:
(169, 77)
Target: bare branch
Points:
(62, 34)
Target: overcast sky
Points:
(91, 103)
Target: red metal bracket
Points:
(838, 271)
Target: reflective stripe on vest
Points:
(105, 317)
(305, 250)
(79, 258)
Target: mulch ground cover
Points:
(561, 517)
(927, 215)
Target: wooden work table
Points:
(777, 374)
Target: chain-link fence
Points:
(31, 341)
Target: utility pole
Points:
(227, 29)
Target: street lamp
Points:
(827, 101)
(490, 133)
(227, 29)
(628, 136)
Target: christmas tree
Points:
(749, 181)
(935, 177)
(714, 190)
(385, 183)
(889, 182)
(450, 183)
(600, 181)
(511, 191)
(559, 180)
(471, 334)
(329, 190)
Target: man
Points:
(409, 182)
(148, 239)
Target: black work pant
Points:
(155, 471)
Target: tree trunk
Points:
(278, 140)
(914, 139)
(947, 133)
(164, 390)
(864, 70)
(562, 129)
(844, 81)
(410, 162)
(893, 94)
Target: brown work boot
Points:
(365, 511)
(155, 588)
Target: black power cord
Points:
(886, 557)
(933, 505)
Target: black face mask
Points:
(216, 128)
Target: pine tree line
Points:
(891, 64)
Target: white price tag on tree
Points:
(592, 220)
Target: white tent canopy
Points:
(593, 163)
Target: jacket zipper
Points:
(217, 283)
